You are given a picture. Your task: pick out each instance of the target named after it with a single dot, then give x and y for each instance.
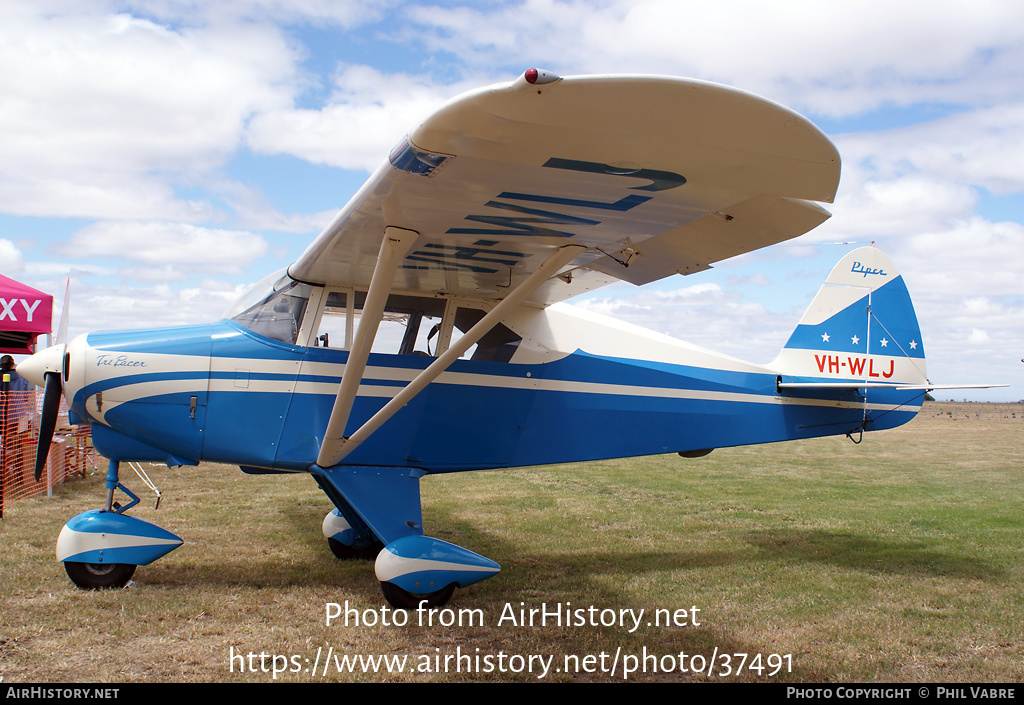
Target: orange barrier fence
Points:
(71, 451)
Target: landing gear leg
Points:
(101, 548)
(94, 576)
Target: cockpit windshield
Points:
(273, 308)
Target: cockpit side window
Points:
(403, 328)
(412, 325)
(497, 345)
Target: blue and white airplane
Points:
(485, 218)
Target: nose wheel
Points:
(94, 576)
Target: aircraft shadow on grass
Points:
(868, 553)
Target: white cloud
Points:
(978, 337)
(164, 274)
(343, 13)
(983, 147)
(253, 211)
(97, 194)
(367, 114)
(129, 307)
(96, 105)
(10, 258)
(919, 189)
(896, 207)
(51, 272)
(168, 244)
(832, 58)
(971, 258)
(120, 306)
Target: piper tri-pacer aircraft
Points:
(497, 208)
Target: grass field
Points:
(898, 559)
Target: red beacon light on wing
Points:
(536, 77)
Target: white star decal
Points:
(884, 342)
(913, 345)
(824, 337)
(856, 340)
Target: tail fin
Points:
(860, 332)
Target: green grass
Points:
(894, 560)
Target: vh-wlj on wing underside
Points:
(653, 176)
(503, 203)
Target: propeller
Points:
(51, 362)
(48, 419)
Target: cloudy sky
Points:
(165, 154)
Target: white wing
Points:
(653, 176)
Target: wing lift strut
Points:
(382, 504)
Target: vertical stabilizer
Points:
(861, 327)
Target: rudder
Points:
(860, 327)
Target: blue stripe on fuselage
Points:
(477, 415)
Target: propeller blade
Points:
(62, 327)
(48, 419)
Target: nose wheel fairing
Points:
(101, 548)
(106, 537)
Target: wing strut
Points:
(334, 450)
(393, 248)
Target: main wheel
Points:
(362, 553)
(403, 600)
(92, 576)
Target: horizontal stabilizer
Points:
(880, 385)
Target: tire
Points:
(347, 553)
(94, 576)
(403, 600)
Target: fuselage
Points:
(578, 387)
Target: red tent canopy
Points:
(24, 314)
